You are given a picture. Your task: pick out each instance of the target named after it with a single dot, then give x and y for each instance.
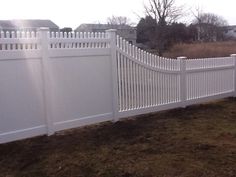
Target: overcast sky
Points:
(71, 13)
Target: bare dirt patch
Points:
(196, 141)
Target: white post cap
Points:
(182, 58)
(111, 30)
(43, 29)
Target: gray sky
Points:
(74, 12)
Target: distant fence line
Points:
(56, 81)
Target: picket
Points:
(75, 79)
(163, 81)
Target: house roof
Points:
(103, 26)
(13, 24)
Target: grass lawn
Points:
(199, 141)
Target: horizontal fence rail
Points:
(52, 81)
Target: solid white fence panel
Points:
(21, 103)
(81, 79)
(69, 73)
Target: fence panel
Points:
(53, 81)
(145, 80)
(21, 87)
(148, 83)
(56, 81)
(209, 77)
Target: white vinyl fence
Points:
(56, 81)
(147, 82)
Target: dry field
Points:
(202, 50)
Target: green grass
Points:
(199, 141)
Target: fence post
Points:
(112, 36)
(44, 37)
(234, 56)
(183, 85)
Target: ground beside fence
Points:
(196, 141)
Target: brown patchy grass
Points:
(202, 50)
(199, 141)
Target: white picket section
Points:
(209, 77)
(147, 82)
(52, 81)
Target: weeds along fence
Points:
(56, 81)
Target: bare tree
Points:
(163, 11)
(209, 26)
(209, 18)
(119, 20)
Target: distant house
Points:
(208, 32)
(127, 32)
(27, 25)
(230, 31)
